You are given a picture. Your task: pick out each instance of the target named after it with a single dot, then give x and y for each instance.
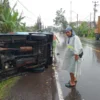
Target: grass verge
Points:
(6, 85)
(91, 38)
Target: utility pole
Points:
(70, 11)
(90, 20)
(77, 20)
(95, 10)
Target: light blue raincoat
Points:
(73, 46)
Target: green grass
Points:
(92, 38)
(6, 85)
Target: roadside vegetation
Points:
(6, 85)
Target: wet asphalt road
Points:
(87, 87)
(35, 86)
(42, 86)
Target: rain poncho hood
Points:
(69, 28)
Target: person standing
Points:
(55, 42)
(73, 55)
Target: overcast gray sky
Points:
(47, 9)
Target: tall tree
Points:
(60, 19)
(38, 25)
(83, 29)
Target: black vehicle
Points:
(25, 50)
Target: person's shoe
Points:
(58, 53)
(69, 85)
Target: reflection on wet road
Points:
(73, 95)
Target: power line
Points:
(87, 17)
(26, 8)
(30, 18)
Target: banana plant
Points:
(10, 20)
